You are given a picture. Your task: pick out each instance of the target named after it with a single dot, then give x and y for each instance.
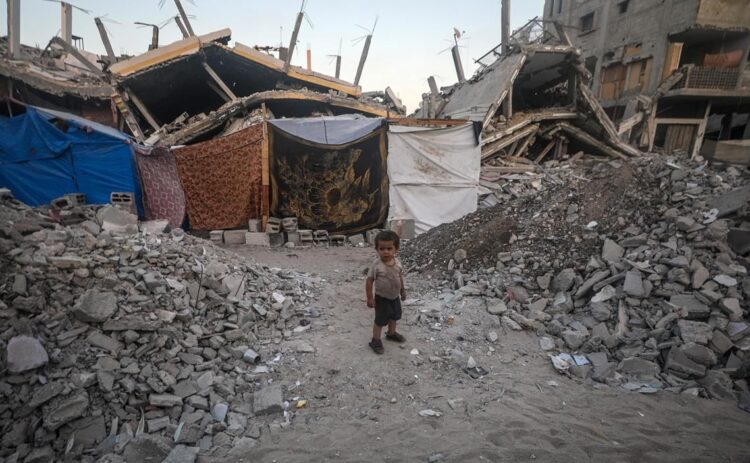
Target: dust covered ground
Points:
(363, 408)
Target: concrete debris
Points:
(116, 322)
(653, 297)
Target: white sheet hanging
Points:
(433, 174)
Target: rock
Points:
(700, 276)
(91, 227)
(40, 455)
(564, 280)
(638, 368)
(95, 306)
(492, 337)
(693, 308)
(241, 447)
(737, 330)
(544, 281)
(268, 400)
(219, 411)
(601, 311)
(67, 262)
(303, 347)
(508, 323)
(460, 256)
(103, 341)
(604, 294)
(634, 284)
(731, 306)
(115, 219)
(681, 366)
(697, 332)
(720, 343)
(46, 393)
(562, 303)
(518, 293)
(164, 400)
(157, 424)
(33, 304)
(25, 353)
(574, 338)
(19, 284)
(725, 280)
(590, 283)
(89, 431)
(65, 410)
(611, 251)
(155, 227)
(546, 344)
(685, 223)
(182, 454)
(146, 448)
(539, 305)
(496, 307)
(154, 281)
(699, 354)
(718, 385)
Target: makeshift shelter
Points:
(46, 154)
(329, 172)
(222, 179)
(163, 196)
(433, 173)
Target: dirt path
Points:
(364, 407)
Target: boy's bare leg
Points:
(391, 326)
(376, 330)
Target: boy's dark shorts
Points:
(387, 310)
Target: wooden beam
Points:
(521, 149)
(546, 150)
(218, 81)
(627, 124)
(489, 151)
(678, 120)
(584, 137)
(212, 85)
(73, 51)
(142, 109)
(127, 115)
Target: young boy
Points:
(386, 275)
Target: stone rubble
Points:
(654, 296)
(120, 345)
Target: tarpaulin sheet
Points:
(333, 130)
(222, 179)
(163, 197)
(339, 188)
(433, 174)
(43, 157)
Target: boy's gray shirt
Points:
(387, 278)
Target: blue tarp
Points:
(39, 162)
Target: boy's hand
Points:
(370, 302)
(403, 294)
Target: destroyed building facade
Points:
(671, 73)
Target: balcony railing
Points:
(709, 78)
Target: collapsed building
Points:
(672, 74)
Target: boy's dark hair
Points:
(387, 235)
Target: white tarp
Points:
(433, 174)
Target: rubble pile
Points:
(632, 274)
(143, 345)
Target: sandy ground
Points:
(364, 407)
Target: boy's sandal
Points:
(377, 347)
(395, 337)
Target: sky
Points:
(411, 40)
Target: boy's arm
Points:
(368, 292)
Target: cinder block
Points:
(276, 239)
(257, 239)
(371, 234)
(306, 236)
(289, 224)
(273, 225)
(293, 237)
(217, 236)
(404, 228)
(124, 200)
(357, 240)
(234, 236)
(254, 225)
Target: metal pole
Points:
(433, 85)
(338, 66)
(154, 38)
(362, 59)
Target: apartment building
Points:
(682, 65)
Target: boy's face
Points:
(386, 250)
